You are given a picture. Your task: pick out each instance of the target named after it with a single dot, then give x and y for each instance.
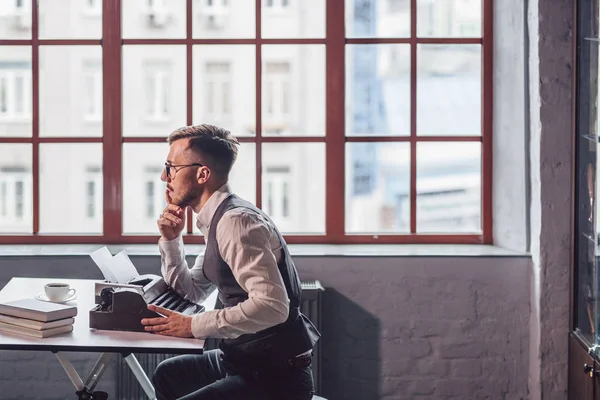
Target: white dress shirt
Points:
(249, 244)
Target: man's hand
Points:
(171, 222)
(175, 324)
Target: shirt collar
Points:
(208, 210)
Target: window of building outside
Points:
(277, 97)
(15, 91)
(93, 85)
(360, 121)
(15, 197)
(93, 193)
(157, 91)
(218, 92)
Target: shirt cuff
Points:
(204, 325)
(171, 251)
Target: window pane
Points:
(377, 188)
(378, 18)
(378, 93)
(225, 87)
(66, 170)
(449, 187)
(70, 19)
(71, 91)
(293, 80)
(158, 19)
(16, 188)
(154, 89)
(242, 178)
(143, 191)
(293, 19)
(296, 174)
(15, 19)
(15, 91)
(224, 19)
(449, 89)
(449, 18)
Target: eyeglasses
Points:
(175, 168)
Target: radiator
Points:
(128, 388)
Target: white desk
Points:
(84, 339)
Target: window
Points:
(3, 198)
(15, 91)
(93, 87)
(93, 193)
(277, 204)
(150, 211)
(91, 197)
(15, 196)
(277, 96)
(157, 92)
(354, 128)
(218, 92)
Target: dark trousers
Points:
(208, 377)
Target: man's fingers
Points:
(173, 209)
(171, 218)
(160, 310)
(156, 328)
(154, 321)
(166, 222)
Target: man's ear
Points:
(203, 174)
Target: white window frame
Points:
(274, 204)
(218, 99)
(277, 95)
(93, 106)
(159, 99)
(12, 113)
(158, 197)
(10, 179)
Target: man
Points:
(265, 342)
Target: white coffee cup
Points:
(57, 291)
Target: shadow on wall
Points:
(350, 350)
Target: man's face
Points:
(183, 188)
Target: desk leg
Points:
(140, 375)
(86, 391)
(71, 372)
(98, 370)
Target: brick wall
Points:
(394, 328)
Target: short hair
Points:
(214, 143)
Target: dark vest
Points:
(294, 336)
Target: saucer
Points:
(43, 297)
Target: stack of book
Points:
(36, 318)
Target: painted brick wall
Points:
(394, 328)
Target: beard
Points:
(189, 197)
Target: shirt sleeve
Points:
(245, 245)
(188, 282)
